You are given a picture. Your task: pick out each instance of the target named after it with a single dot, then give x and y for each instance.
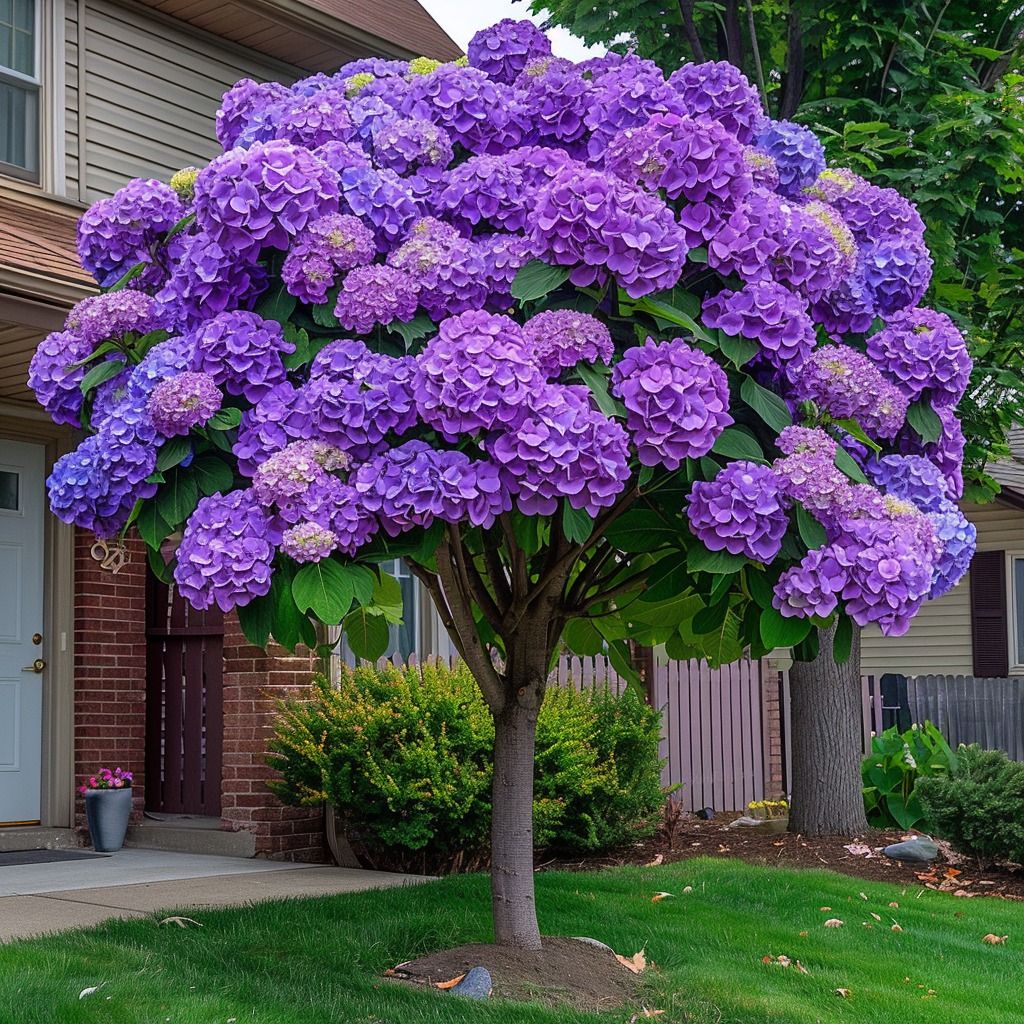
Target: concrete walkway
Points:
(36, 899)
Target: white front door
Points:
(21, 625)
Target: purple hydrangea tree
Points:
(602, 354)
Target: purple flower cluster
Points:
(179, 403)
(375, 295)
(326, 247)
(243, 352)
(958, 539)
(676, 398)
(741, 511)
(285, 479)
(504, 50)
(848, 385)
(226, 555)
(414, 484)
(720, 91)
(911, 477)
(807, 472)
(561, 447)
(110, 317)
(408, 145)
(596, 223)
(280, 416)
(55, 377)
(924, 351)
(561, 338)
(768, 313)
(381, 201)
(244, 101)
(797, 153)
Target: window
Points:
(404, 639)
(1017, 612)
(19, 88)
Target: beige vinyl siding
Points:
(70, 99)
(151, 90)
(939, 639)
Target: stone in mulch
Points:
(919, 850)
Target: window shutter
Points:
(989, 641)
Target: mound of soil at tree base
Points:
(686, 837)
(565, 973)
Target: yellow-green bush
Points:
(404, 755)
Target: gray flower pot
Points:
(106, 813)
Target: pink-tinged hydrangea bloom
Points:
(240, 104)
(286, 476)
(474, 375)
(411, 144)
(54, 377)
(327, 246)
(503, 50)
(308, 542)
(264, 196)
(110, 317)
(96, 486)
(375, 295)
(561, 447)
(768, 313)
(561, 338)
(797, 153)
(807, 472)
(243, 352)
(225, 556)
(358, 408)
(598, 224)
(923, 350)
(414, 484)
(278, 418)
(116, 233)
(177, 404)
(741, 511)
(676, 398)
(720, 91)
(847, 384)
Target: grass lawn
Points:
(320, 961)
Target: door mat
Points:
(45, 856)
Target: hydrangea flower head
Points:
(561, 338)
(243, 352)
(179, 403)
(797, 153)
(375, 295)
(503, 50)
(720, 91)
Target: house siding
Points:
(939, 639)
(142, 94)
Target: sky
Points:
(462, 20)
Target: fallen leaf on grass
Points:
(688, 888)
(636, 963)
(89, 991)
(659, 896)
(995, 940)
(896, 928)
(654, 863)
(862, 895)
(825, 909)
(449, 984)
(877, 917)
(844, 992)
(181, 922)
(833, 922)
(645, 1013)
(894, 905)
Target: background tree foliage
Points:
(925, 97)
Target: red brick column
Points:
(252, 681)
(110, 666)
(771, 678)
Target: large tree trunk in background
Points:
(827, 742)
(512, 888)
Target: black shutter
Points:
(989, 640)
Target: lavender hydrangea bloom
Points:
(381, 201)
(179, 403)
(501, 256)
(503, 50)
(872, 213)
(474, 375)
(958, 539)
(676, 398)
(911, 477)
(375, 295)
(412, 144)
(768, 313)
(340, 156)
(561, 338)
(278, 418)
(491, 189)
(225, 556)
(110, 317)
(116, 233)
(924, 350)
(561, 447)
(798, 154)
(240, 104)
(264, 196)
(849, 385)
(243, 352)
(286, 477)
(741, 511)
(947, 453)
(720, 91)
(414, 484)
(327, 246)
(812, 587)
(847, 308)
(54, 377)
(556, 99)
(807, 472)
(314, 119)
(308, 542)
(897, 272)
(96, 486)
(597, 224)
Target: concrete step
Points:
(37, 837)
(195, 836)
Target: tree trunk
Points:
(827, 741)
(512, 890)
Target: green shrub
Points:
(979, 806)
(405, 756)
(892, 773)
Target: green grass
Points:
(320, 961)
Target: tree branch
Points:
(733, 33)
(497, 575)
(757, 52)
(585, 580)
(793, 79)
(516, 556)
(690, 30)
(471, 580)
(619, 588)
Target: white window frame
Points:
(1013, 602)
(33, 85)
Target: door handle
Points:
(37, 666)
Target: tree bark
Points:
(827, 739)
(792, 90)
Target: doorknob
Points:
(37, 666)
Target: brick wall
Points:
(110, 666)
(771, 678)
(252, 680)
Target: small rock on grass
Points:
(475, 985)
(918, 849)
